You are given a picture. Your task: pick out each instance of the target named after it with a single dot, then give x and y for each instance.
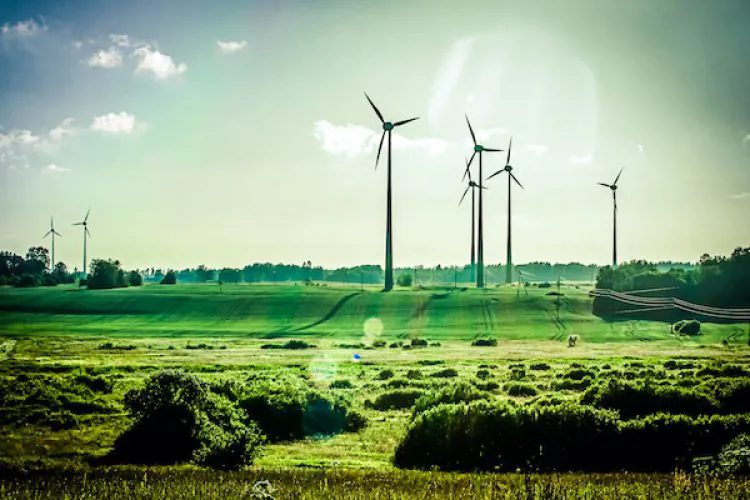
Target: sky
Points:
(226, 133)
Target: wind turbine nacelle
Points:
(613, 188)
(478, 148)
(387, 126)
(508, 168)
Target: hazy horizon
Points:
(236, 132)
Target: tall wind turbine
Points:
(473, 186)
(478, 148)
(613, 188)
(86, 234)
(508, 168)
(387, 128)
(52, 233)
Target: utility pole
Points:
(455, 278)
(361, 281)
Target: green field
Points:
(125, 335)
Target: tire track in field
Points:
(334, 310)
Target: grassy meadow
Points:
(91, 347)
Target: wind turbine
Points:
(387, 128)
(613, 188)
(473, 186)
(508, 168)
(52, 232)
(478, 148)
(86, 234)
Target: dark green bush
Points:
(419, 343)
(109, 346)
(519, 389)
(385, 374)
(458, 392)
(517, 374)
(414, 374)
(96, 384)
(287, 409)
(177, 418)
(674, 364)
(291, 344)
(483, 374)
(397, 383)
(28, 281)
(688, 327)
(342, 384)
(634, 399)
(486, 342)
(446, 373)
(499, 436)
(578, 373)
(723, 371)
(399, 399)
(540, 366)
(567, 384)
(735, 456)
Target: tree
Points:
(37, 260)
(135, 279)
(106, 274)
(169, 279)
(404, 279)
(60, 273)
(10, 264)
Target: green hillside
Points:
(271, 311)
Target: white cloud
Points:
(55, 168)
(110, 58)
(581, 159)
(537, 149)
(120, 40)
(22, 28)
(114, 123)
(746, 139)
(640, 148)
(77, 44)
(62, 130)
(490, 134)
(231, 47)
(161, 65)
(740, 196)
(17, 138)
(353, 140)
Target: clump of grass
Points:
(540, 366)
(398, 399)
(483, 374)
(385, 374)
(485, 342)
(342, 384)
(446, 373)
(109, 346)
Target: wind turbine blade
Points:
(87, 215)
(484, 187)
(48, 233)
(404, 122)
(377, 111)
(88, 232)
(464, 195)
(492, 150)
(618, 177)
(510, 145)
(471, 130)
(468, 164)
(380, 148)
(58, 234)
(605, 185)
(496, 173)
(514, 178)
(78, 224)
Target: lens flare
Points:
(323, 369)
(372, 328)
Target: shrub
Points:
(517, 374)
(96, 384)
(396, 345)
(385, 374)
(483, 374)
(397, 383)
(106, 274)
(287, 409)
(404, 279)
(177, 418)
(723, 371)
(341, 384)
(735, 456)
(519, 389)
(169, 279)
(109, 346)
(572, 385)
(487, 342)
(446, 373)
(379, 343)
(135, 279)
(643, 398)
(413, 374)
(733, 394)
(540, 366)
(399, 399)
(28, 281)
(49, 281)
(500, 436)
(674, 364)
(291, 344)
(687, 327)
(459, 392)
(578, 373)
(486, 386)
(419, 343)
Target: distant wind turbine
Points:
(86, 234)
(478, 148)
(613, 188)
(387, 128)
(52, 233)
(473, 186)
(508, 168)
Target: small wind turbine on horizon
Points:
(508, 168)
(473, 186)
(53, 233)
(478, 148)
(387, 129)
(86, 234)
(613, 188)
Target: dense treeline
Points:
(716, 281)
(32, 270)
